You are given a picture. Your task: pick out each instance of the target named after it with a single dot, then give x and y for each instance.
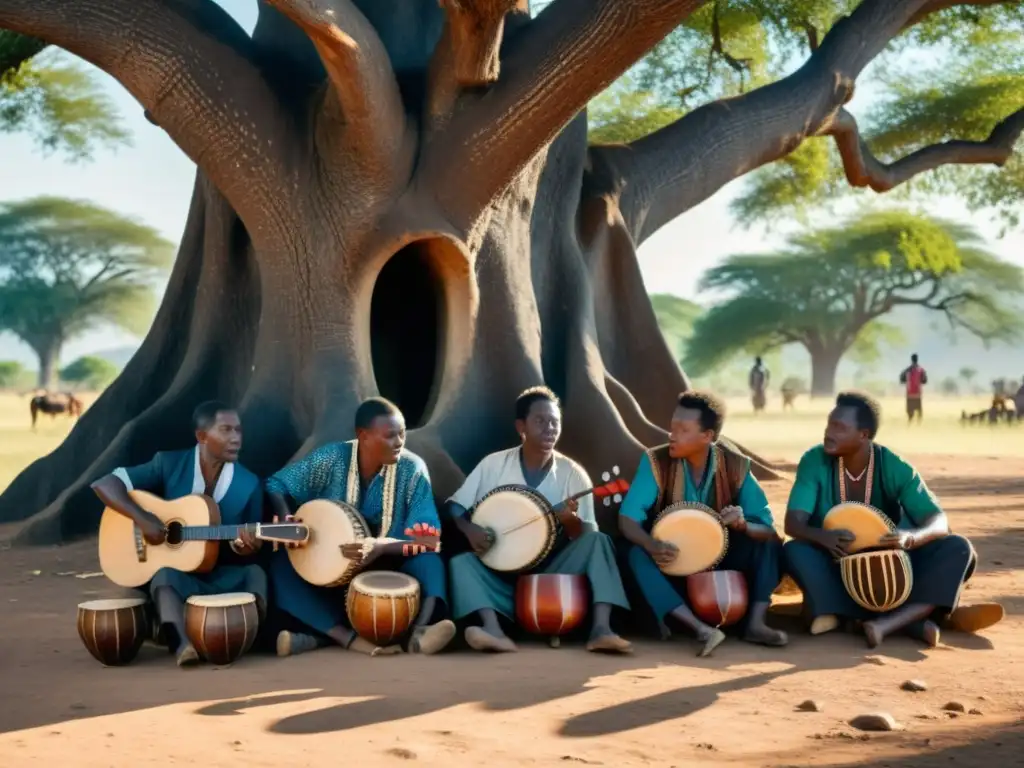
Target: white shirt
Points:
(564, 478)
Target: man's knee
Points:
(594, 540)
(953, 547)
(797, 556)
(463, 563)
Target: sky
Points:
(152, 180)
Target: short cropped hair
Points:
(867, 410)
(710, 407)
(373, 408)
(205, 414)
(533, 395)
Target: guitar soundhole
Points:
(174, 536)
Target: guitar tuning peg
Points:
(606, 477)
(607, 501)
(618, 498)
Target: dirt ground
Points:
(662, 706)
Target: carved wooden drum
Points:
(381, 605)
(866, 523)
(114, 630)
(523, 526)
(222, 627)
(551, 604)
(718, 598)
(331, 524)
(697, 531)
(878, 581)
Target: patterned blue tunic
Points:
(398, 497)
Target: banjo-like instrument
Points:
(523, 525)
(331, 525)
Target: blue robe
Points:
(174, 474)
(398, 497)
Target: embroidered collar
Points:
(390, 475)
(227, 472)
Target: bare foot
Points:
(927, 632)
(432, 639)
(873, 634)
(974, 618)
(359, 645)
(481, 640)
(711, 641)
(822, 624)
(765, 635)
(606, 641)
(187, 656)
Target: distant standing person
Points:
(914, 376)
(758, 381)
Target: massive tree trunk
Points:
(397, 197)
(824, 365)
(48, 353)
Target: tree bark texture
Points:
(397, 197)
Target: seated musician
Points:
(210, 468)
(692, 467)
(476, 589)
(391, 489)
(850, 466)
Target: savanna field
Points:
(660, 707)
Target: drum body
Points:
(114, 630)
(878, 581)
(697, 531)
(718, 598)
(381, 605)
(331, 524)
(524, 529)
(551, 604)
(222, 627)
(866, 523)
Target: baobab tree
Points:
(397, 196)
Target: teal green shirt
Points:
(897, 489)
(643, 493)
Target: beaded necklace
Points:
(843, 474)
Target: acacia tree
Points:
(830, 288)
(397, 196)
(66, 265)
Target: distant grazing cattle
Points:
(53, 404)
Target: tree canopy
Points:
(66, 265)
(829, 289)
(90, 371)
(950, 89)
(56, 100)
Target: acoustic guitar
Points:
(194, 534)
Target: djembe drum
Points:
(381, 605)
(331, 524)
(114, 630)
(222, 627)
(551, 604)
(719, 598)
(867, 524)
(523, 527)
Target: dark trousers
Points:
(759, 561)
(940, 569)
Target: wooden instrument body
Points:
(697, 531)
(866, 523)
(381, 605)
(113, 631)
(524, 526)
(331, 524)
(552, 604)
(118, 540)
(222, 627)
(718, 598)
(878, 581)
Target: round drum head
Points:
(385, 584)
(224, 600)
(696, 531)
(523, 529)
(112, 604)
(331, 524)
(865, 522)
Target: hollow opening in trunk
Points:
(407, 316)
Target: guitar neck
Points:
(283, 532)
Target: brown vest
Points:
(731, 469)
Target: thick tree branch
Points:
(188, 64)
(863, 169)
(670, 171)
(363, 91)
(549, 72)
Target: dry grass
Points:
(775, 435)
